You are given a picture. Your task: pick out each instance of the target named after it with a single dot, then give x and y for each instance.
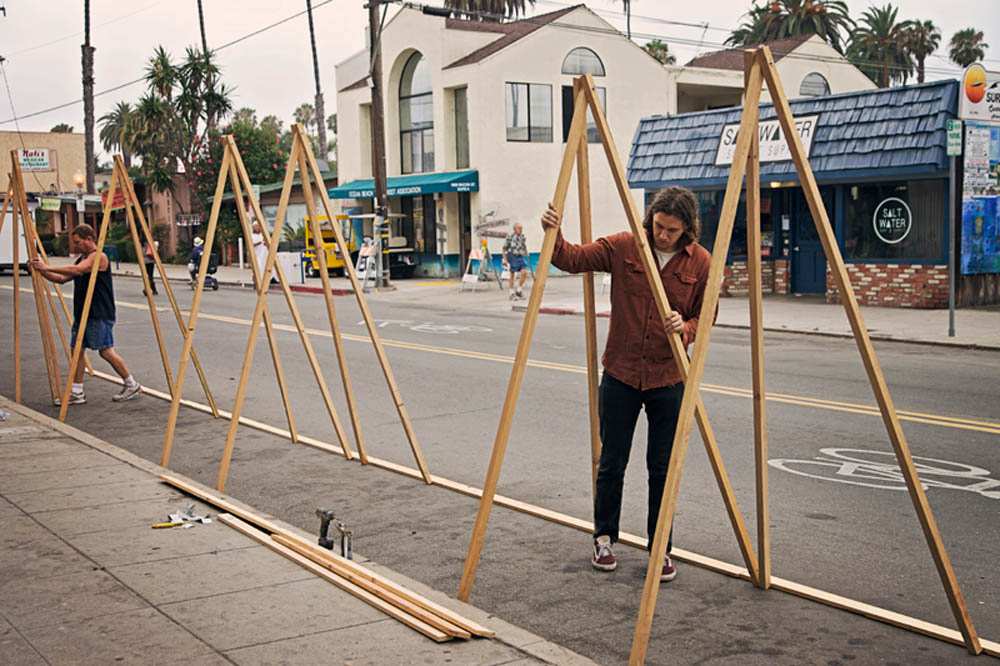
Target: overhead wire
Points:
(20, 136)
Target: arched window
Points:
(814, 85)
(416, 116)
(582, 61)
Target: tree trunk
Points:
(201, 25)
(88, 98)
(320, 110)
(920, 70)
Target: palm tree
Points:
(778, 19)
(922, 39)
(879, 47)
(627, 6)
(201, 25)
(660, 51)
(499, 8)
(88, 97)
(62, 128)
(116, 131)
(320, 112)
(967, 47)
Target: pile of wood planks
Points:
(415, 611)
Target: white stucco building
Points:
(476, 115)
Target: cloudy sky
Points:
(272, 71)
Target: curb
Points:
(771, 329)
(306, 289)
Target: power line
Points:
(28, 49)
(127, 84)
(20, 136)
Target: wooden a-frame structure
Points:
(135, 217)
(136, 222)
(758, 70)
(232, 169)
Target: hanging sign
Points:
(892, 220)
(979, 98)
(50, 203)
(34, 159)
(773, 146)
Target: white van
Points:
(7, 247)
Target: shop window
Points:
(418, 223)
(581, 61)
(921, 237)
(709, 210)
(814, 85)
(416, 116)
(529, 112)
(569, 105)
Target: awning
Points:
(418, 183)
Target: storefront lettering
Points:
(773, 146)
(892, 220)
(35, 159)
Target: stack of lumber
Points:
(415, 611)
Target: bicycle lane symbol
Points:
(878, 469)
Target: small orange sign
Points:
(119, 201)
(974, 83)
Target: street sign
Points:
(954, 138)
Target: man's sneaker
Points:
(74, 399)
(127, 393)
(604, 557)
(669, 570)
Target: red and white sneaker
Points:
(669, 570)
(604, 557)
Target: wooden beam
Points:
(755, 270)
(88, 299)
(140, 217)
(870, 611)
(872, 367)
(175, 403)
(147, 287)
(676, 344)
(331, 314)
(16, 304)
(748, 125)
(359, 295)
(589, 307)
(263, 285)
(576, 135)
(355, 591)
(258, 313)
(293, 308)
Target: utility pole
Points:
(320, 110)
(378, 132)
(201, 25)
(88, 97)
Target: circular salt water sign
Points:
(892, 220)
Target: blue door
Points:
(808, 259)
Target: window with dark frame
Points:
(461, 128)
(529, 112)
(569, 105)
(416, 117)
(923, 241)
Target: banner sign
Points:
(773, 147)
(34, 159)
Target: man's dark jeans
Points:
(619, 406)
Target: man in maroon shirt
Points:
(639, 368)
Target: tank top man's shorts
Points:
(99, 333)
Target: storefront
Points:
(880, 160)
(430, 228)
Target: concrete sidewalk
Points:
(83, 578)
(975, 327)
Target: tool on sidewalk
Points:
(325, 518)
(346, 550)
(185, 519)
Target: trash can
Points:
(291, 264)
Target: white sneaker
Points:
(127, 393)
(74, 399)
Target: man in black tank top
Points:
(99, 333)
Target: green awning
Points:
(404, 186)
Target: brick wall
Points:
(774, 278)
(895, 285)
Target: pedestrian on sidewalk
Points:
(147, 256)
(515, 258)
(260, 251)
(639, 369)
(99, 333)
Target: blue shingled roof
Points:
(859, 135)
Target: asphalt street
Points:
(840, 518)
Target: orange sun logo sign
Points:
(974, 83)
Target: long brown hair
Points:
(679, 202)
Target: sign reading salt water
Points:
(35, 159)
(892, 220)
(773, 147)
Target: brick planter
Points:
(895, 285)
(774, 275)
